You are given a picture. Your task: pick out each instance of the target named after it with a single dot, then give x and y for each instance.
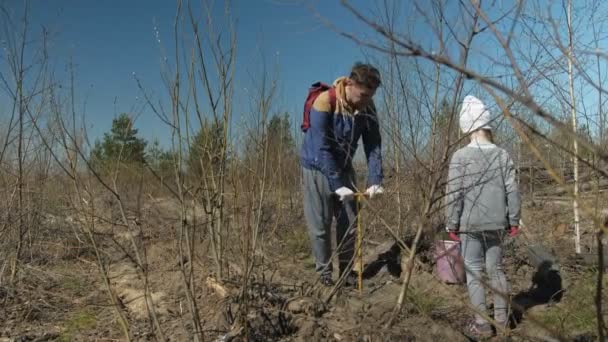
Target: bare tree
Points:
(526, 75)
(577, 238)
(25, 82)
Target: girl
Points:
(483, 206)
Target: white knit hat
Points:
(474, 115)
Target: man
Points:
(338, 118)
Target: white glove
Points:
(344, 193)
(374, 190)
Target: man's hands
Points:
(374, 190)
(344, 193)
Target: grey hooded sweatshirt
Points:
(481, 190)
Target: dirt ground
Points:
(60, 295)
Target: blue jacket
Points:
(331, 141)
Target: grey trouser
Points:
(479, 248)
(320, 207)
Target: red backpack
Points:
(313, 92)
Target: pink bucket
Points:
(449, 262)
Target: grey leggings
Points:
(320, 207)
(481, 248)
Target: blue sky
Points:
(110, 40)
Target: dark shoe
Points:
(351, 279)
(477, 330)
(326, 280)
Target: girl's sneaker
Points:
(483, 330)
